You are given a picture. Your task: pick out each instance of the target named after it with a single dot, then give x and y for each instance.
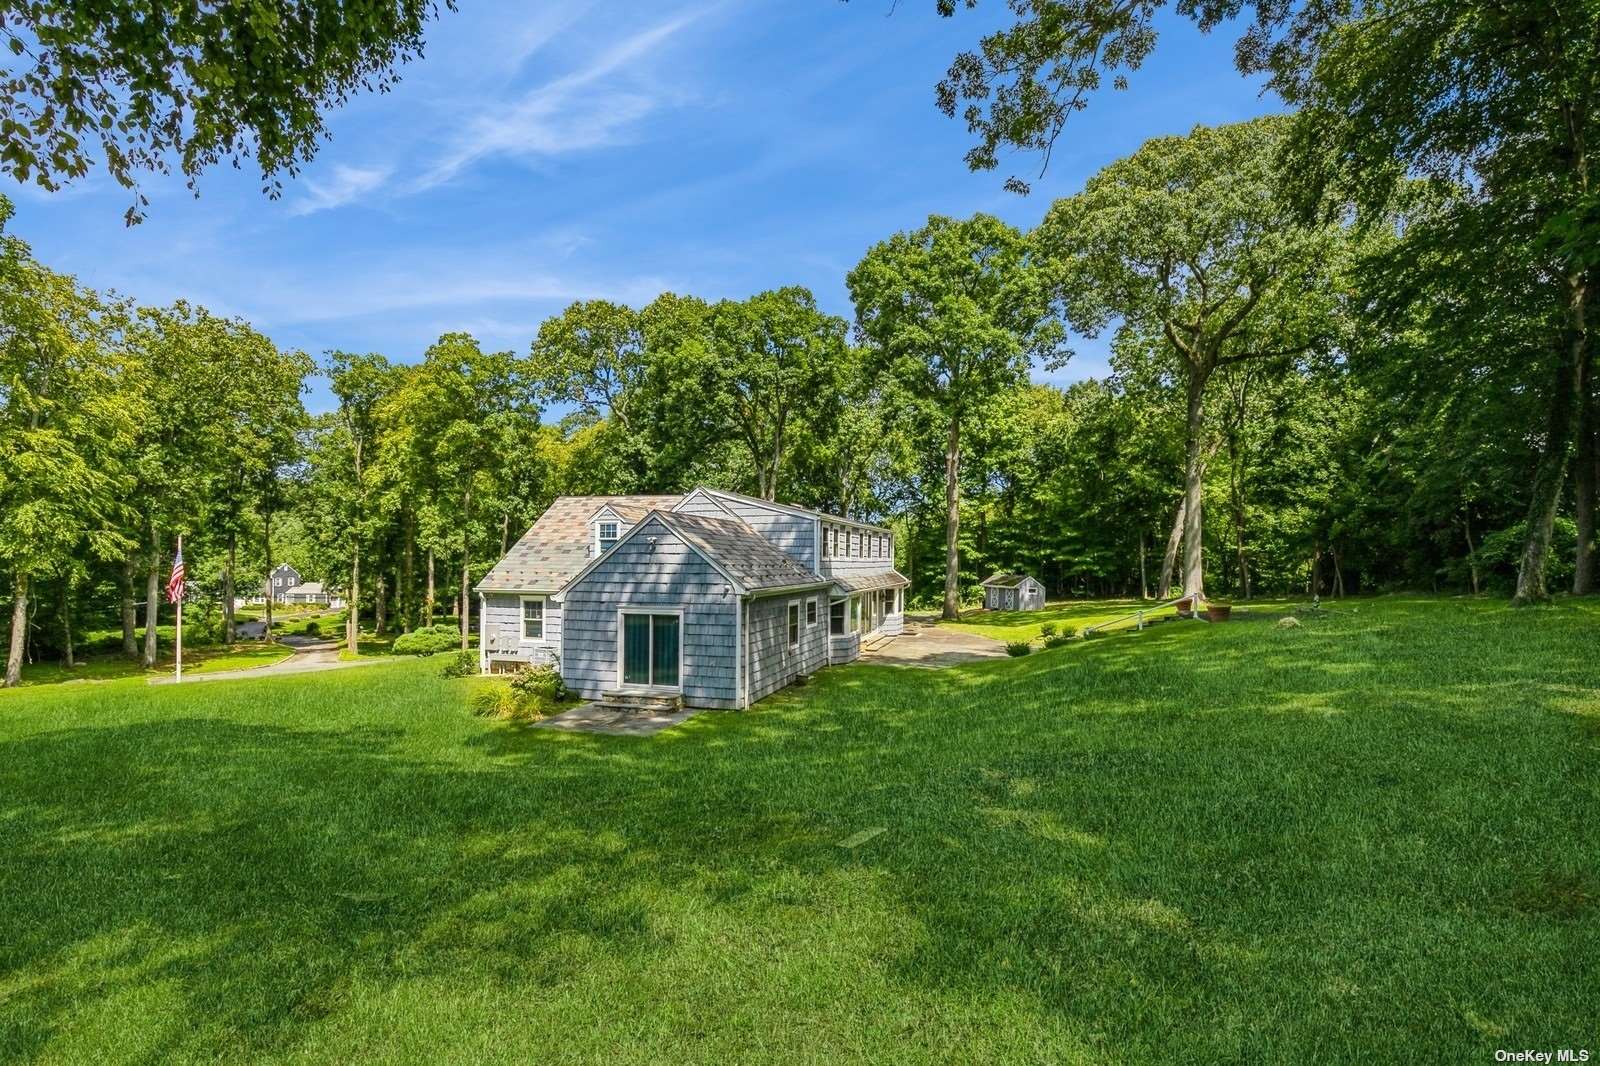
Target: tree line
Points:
(1351, 348)
(1276, 418)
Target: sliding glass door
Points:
(650, 649)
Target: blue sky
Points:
(608, 150)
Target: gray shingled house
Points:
(1012, 592)
(714, 597)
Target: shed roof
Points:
(552, 552)
(887, 579)
(1005, 580)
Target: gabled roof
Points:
(1004, 580)
(750, 559)
(551, 553)
(885, 579)
(787, 508)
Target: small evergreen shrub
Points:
(1055, 640)
(461, 664)
(1019, 647)
(1047, 630)
(540, 685)
(313, 629)
(429, 640)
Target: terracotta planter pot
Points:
(1218, 612)
(1183, 606)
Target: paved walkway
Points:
(933, 647)
(593, 718)
(310, 656)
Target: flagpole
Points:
(178, 644)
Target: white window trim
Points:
(598, 551)
(522, 620)
(812, 609)
(799, 627)
(649, 608)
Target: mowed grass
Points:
(1075, 615)
(202, 660)
(1370, 838)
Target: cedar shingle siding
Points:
(640, 574)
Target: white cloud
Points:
(346, 185)
(359, 296)
(575, 112)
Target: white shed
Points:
(1012, 592)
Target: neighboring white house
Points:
(1012, 592)
(713, 597)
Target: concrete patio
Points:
(933, 647)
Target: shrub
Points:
(313, 629)
(497, 700)
(540, 685)
(1055, 640)
(1047, 630)
(461, 664)
(1019, 647)
(429, 640)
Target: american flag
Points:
(175, 581)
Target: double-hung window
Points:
(811, 612)
(606, 535)
(533, 618)
(836, 618)
(794, 625)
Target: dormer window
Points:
(605, 536)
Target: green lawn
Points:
(1370, 838)
(1076, 614)
(202, 660)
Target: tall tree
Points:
(360, 382)
(955, 311)
(66, 425)
(1190, 240)
(768, 365)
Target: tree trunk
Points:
(152, 599)
(505, 532)
(1144, 582)
(19, 629)
(1169, 560)
(130, 614)
(1472, 551)
(406, 588)
(1338, 571)
(378, 605)
(1551, 472)
(227, 589)
(1584, 476)
(427, 604)
(466, 602)
(1193, 482)
(1314, 580)
(266, 538)
(952, 521)
(66, 622)
(352, 601)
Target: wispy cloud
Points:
(345, 185)
(466, 294)
(578, 111)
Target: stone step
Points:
(642, 702)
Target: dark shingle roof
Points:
(557, 547)
(1004, 580)
(750, 558)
